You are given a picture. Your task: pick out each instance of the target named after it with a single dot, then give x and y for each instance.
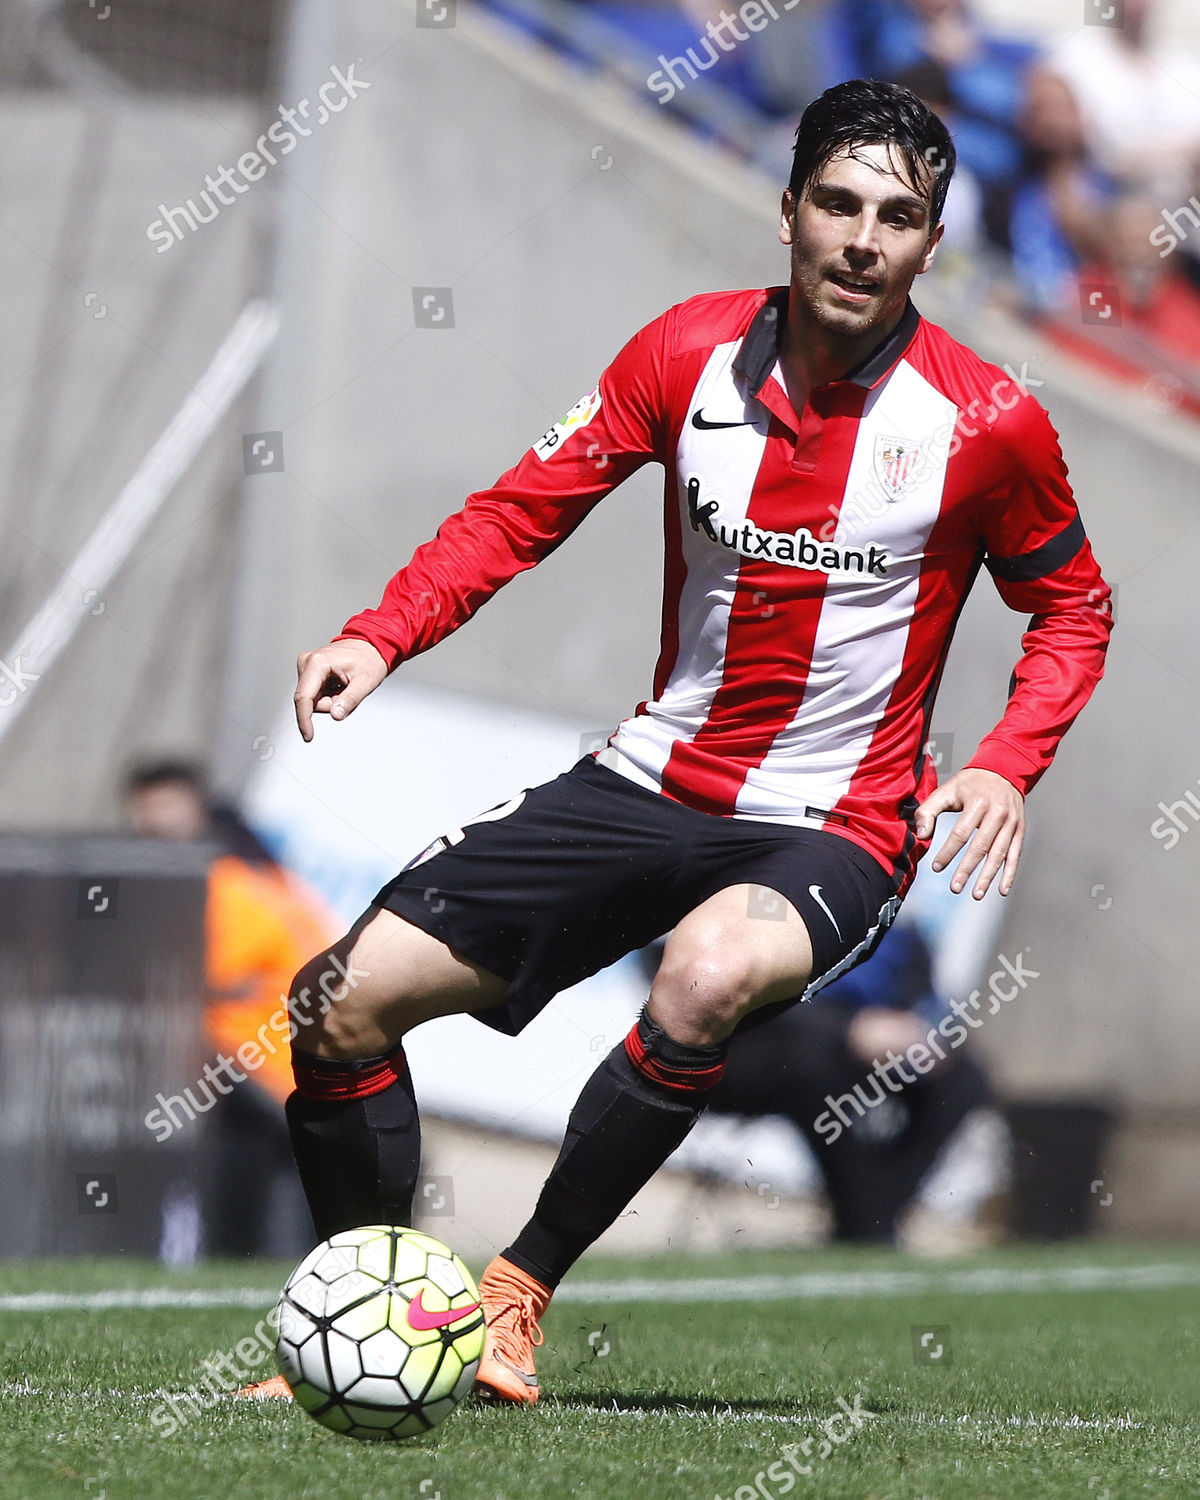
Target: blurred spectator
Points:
(772, 62)
(963, 213)
(779, 68)
(1136, 313)
(1054, 218)
(1045, 147)
(1140, 102)
(1179, 231)
(888, 38)
(261, 925)
(813, 1064)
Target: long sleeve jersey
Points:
(815, 565)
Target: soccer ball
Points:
(380, 1332)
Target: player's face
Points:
(859, 235)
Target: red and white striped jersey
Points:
(816, 565)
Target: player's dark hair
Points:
(871, 112)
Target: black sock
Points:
(633, 1112)
(356, 1137)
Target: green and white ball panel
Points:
(444, 1273)
(412, 1255)
(310, 1294)
(437, 1411)
(366, 1318)
(420, 1370)
(383, 1353)
(345, 1367)
(466, 1381)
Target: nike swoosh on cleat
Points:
(815, 892)
(530, 1380)
(700, 421)
(420, 1317)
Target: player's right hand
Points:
(335, 679)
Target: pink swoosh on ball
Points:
(420, 1317)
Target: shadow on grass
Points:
(650, 1401)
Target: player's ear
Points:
(935, 239)
(787, 218)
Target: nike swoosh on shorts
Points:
(815, 892)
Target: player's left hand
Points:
(992, 827)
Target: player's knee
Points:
(328, 1018)
(702, 991)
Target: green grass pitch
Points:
(1089, 1392)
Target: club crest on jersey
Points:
(579, 416)
(896, 464)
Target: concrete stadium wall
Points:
(104, 340)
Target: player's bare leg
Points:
(353, 1118)
(383, 978)
(721, 962)
(725, 960)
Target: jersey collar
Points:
(760, 345)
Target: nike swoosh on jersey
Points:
(699, 420)
(422, 1319)
(815, 892)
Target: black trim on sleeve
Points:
(1047, 558)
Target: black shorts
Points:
(568, 877)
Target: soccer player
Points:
(837, 470)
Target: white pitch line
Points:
(164, 1296)
(1058, 1424)
(803, 1286)
(719, 1415)
(808, 1285)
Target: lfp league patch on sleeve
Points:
(579, 416)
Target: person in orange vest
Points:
(261, 923)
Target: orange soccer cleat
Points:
(264, 1390)
(513, 1301)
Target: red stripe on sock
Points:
(686, 1080)
(326, 1079)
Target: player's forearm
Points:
(499, 533)
(439, 590)
(425, 602)
(1062, 661)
